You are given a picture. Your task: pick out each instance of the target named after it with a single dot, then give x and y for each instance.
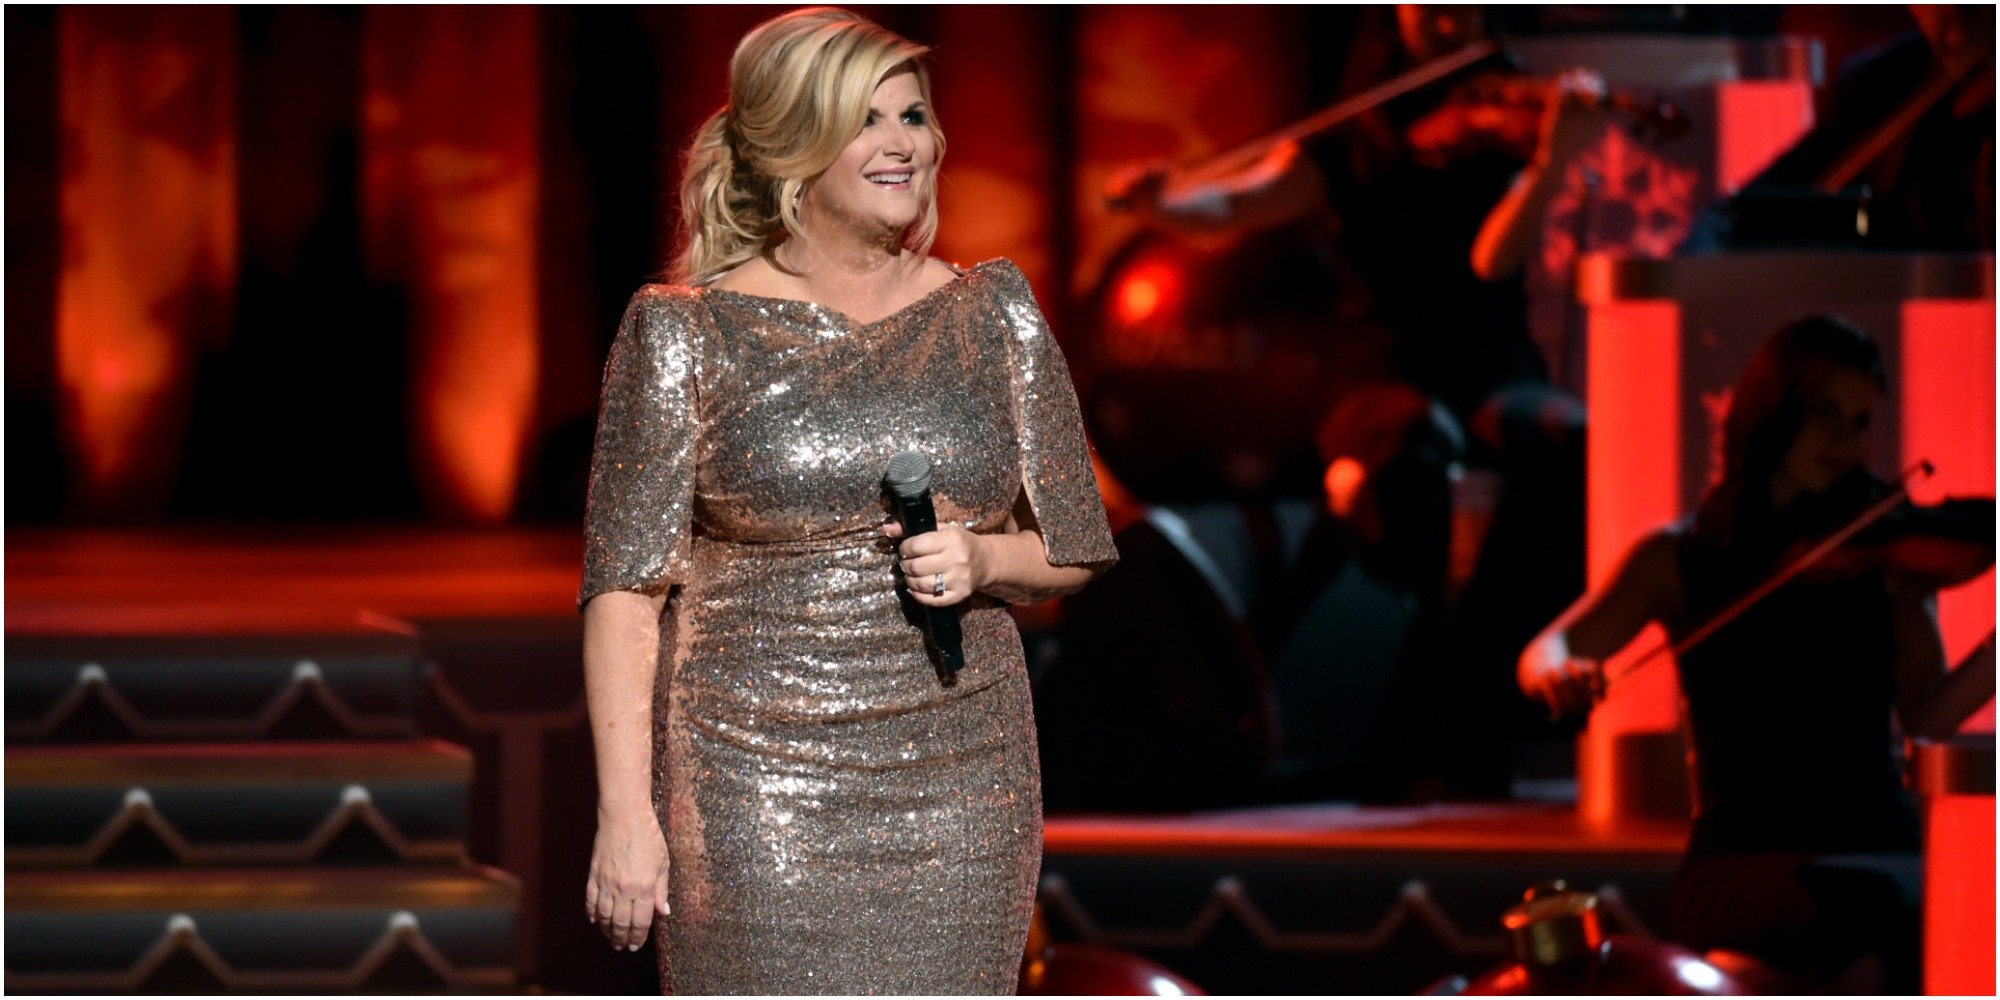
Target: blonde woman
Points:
(805, 805)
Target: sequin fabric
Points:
(838, 819)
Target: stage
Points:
(1393, 331)
(471, 637)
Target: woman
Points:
(806, 805)
(1789, 706)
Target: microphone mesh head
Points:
(909, 474)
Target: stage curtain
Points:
(147, 161)
(451, 126)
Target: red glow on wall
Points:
(1140, 295)
(994, 191)
(1946, 398)
(1181, 84)
(148, 208)
(122, 375)
(1634, 487)
(1958, 896)
(1146, 323)
(1756, 121)
(452, 176)
(1343, 480)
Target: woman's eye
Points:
(914, 118)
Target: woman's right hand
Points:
(1575, 117)
(1567, 684)
(628, 879)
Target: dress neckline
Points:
(963, 275)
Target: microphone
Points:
(909, 484)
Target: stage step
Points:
(402, 928)
(361, 681)
(237, 803)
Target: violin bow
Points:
(1861, 521)
(1321, 121)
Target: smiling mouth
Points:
(892, 180)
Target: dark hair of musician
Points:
(1766, 411)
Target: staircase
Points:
(241, 811)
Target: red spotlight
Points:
(1143, 292)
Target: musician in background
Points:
(1911, 121)
(1410, 186)
(1789, 705)
(1414, 187)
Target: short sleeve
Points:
(639, 505)
(1055, 459)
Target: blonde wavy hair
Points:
(799, 89)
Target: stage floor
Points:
(238, 578)
(1315, 898)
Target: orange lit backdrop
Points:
(148, 238)
(450, 207)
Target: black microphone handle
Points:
(918, 518)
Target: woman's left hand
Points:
(950, 554)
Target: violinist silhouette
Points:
(1909, 144)
(1435, 190)
(1804, 848)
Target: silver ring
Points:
(937, 590)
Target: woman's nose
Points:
(900, 143)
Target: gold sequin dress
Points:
(838, 820)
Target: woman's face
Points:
(1833, 438)
(878, 183)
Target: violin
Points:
(1935, 546)
(1494, 110)
(1120, 197)
(1930, 547)
(1503, 112)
